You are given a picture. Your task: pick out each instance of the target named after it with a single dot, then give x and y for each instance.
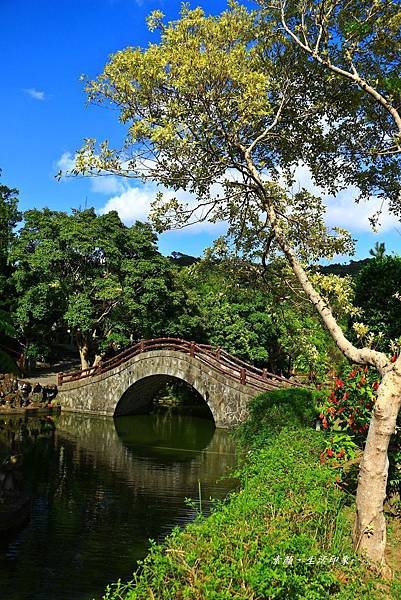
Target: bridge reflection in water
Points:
(101, 488)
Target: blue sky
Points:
(45, 46)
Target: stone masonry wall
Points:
(126, 389)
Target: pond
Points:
(100, 488)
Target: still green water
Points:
(100, 489)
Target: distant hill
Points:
(183, 260)
(352, 268)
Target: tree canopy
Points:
(352, 50)
(377, 294)
(9, 217)
(103, 281)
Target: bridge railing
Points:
(216, 358)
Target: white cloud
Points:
(134, 204)
(66, 162)
(35, 94)
(108, 184)
(342, 210)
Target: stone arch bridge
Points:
(127, 383)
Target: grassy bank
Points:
(285, 534)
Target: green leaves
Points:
(90, 274)
(376, 295)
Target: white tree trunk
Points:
(83, 355)
(83, 349)
(370, 525)
(97, 360)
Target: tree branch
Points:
(364, 356)
(352, 76)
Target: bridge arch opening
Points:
(162, 392)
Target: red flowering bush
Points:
(349, 405)
(339, 448)
(347, 411)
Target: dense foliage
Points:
(91, 279)
(345, 415)
(377, 294)
(104, 282)
(87, 281)
(255, 315)
(9, 217)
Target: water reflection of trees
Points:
(154, 451)
(97, 499)
(19, 434)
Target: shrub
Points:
(349, 405)
(348, 409)
(271, 411)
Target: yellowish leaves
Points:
(155, 20)
(361, 330)
(338, 291)
(205, 80)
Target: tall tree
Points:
(103, 281)
(356, 48)
(225, 108)
(377, 294)
(379, 250)
(9, 217)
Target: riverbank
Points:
(30, 411)
(285, 534)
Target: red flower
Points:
(393, 358)
(339, 383)
(341, 453)
(376, 385)
(345, 397)
(330, 452)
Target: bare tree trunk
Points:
(83, 349)
(370, 526)
(97, 359)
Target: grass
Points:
(284, 535)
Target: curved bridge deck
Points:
(126, 383)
